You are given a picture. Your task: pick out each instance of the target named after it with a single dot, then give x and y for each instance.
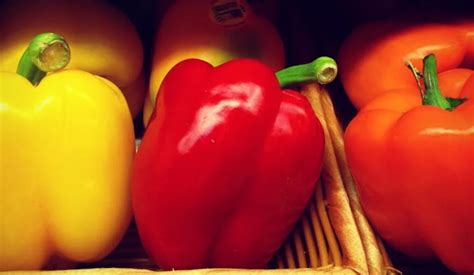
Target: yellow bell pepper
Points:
(67, 147)
(103, 40)
(214, 31)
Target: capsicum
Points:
(67, 146)
(412, 159)
(227, 163)
(372, 58)
(214, 31)
(103, 40)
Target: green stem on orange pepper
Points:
(47, 52)
(322, 70)
(432, 95)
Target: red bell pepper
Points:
(412, 160)
(226, 166)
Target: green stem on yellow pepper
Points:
(432, 95)
(322, 70)
(47, 52)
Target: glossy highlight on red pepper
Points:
(226, 167)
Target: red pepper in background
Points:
(412, 161)
(227, 164)
(372, 59)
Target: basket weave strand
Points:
(347, 233)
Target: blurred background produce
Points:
(216, 32)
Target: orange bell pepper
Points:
(413, 165)
(372, 58)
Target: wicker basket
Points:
(334, 232)
(332, 237)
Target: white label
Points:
(228, 13)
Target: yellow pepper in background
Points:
(214, 31)
(67, 147)
(103, 40)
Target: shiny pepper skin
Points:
(226, 166)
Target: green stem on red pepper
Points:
(322, 70)
(432, 95)
(47, 52)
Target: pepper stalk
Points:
(322, 70)
(47, 52)
(431, 95)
